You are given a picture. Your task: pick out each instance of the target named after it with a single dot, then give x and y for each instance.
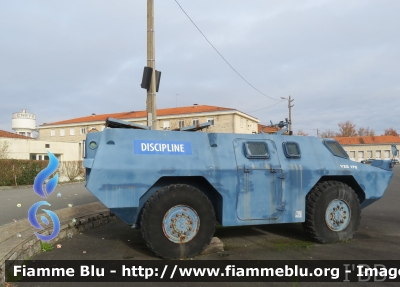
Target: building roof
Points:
(368, 140)
(142, 114)
(267, 129)
(4, 134)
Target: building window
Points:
(369, 153)
(195, 122)
(181, 123)
(28, 134)
(47, 145)
(387, 154)
(83, 131)
(241, 122)
(166, 125)
(52, 133)
(211, 121)
(62, 132)
(378, 154)
(35, 156)
(72, 132)
(352, 154)
(360, 155)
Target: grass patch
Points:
(10, 274)
(11, 278)
(44, 246)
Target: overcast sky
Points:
(339, 60)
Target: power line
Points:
(267, 107)
(223, 56)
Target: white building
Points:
(223, 120)
(24, 147)
(369, 147)
(24, 123)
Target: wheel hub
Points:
(337, 215)
(181, 224)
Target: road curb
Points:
(6, 187)
(13, 247)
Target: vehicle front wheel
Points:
(178, 221)
(333, 212)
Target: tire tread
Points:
(312, 198)
(154, 200)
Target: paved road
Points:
(378, 238)
(75, 194)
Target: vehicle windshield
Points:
(335, 148)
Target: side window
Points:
(291, 149)
(335, 148)
(256, 150)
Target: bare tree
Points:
(328, 134)
(365, 132)
(72, 169)
(301, 133)
(391, 132)
(4, 149)
(347, 129)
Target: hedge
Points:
(19, 172)
(23, 172)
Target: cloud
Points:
(337, 59)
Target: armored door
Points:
(259, 189)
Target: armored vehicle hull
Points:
(174, 185)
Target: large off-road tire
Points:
(178, 221)
(333, 212)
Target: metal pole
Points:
(290, 111)
(151, 62)
(290, 114)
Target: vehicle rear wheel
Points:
(178, 221)
(333, 212)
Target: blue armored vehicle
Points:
(175, 185)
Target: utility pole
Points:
(290, 112)
(151, 107)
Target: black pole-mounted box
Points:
(146, 79)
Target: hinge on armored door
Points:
(280, 174)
